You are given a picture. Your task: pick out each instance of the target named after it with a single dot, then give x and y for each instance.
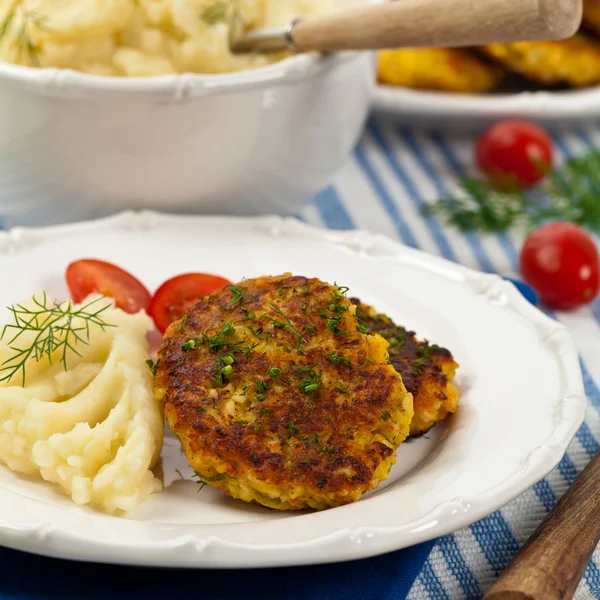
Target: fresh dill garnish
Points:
(219, 11)
(55, 329)
(182, 323)
(338, 359)
(18, 23)
(316, 438)
(328, 449)
(286, 324)
(264, 411)
(293, 428)
(256, 332)
(274, 372)
(309, 385)
(570, 193)
(426, 351)
(238, 296)
(201, 483)
(219, 341)
(304, 438)
(258, 428)
(366, 362)
(261, 387)
(330, 419)
(245, 389)
(397, 341)
(153, 366)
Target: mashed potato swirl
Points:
(135, 38)
(93, 429)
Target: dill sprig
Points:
(286, 324)
(570, 193)
(221, 11)
(57, 328)
(16, 27)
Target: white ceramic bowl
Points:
(263, 141)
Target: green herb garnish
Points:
(338, 359)
(286, 324)
(153, 366)
(56, 329)
(570, 193)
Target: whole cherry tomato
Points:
(174, 297)
(514, 154)
(88, 276)
(561, 262)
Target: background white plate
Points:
(522, 398)
(471, 113)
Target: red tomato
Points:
(88, 276)
(514, 154)
(561, 262)
(173, 298)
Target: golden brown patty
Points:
(446, 69)
(278, 398)
(575, 61)
(427, 370)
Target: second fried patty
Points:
(279, 396)
(426, 369)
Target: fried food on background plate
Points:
(280, 397)
(575, 61)
(445, 69)
(427, 370)
(591, 15)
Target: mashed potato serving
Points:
(135, 38)
(92, 428)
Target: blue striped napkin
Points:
(392, 174)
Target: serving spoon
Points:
(418, 23)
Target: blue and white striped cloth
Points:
(393, 173)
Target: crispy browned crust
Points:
(426, 369)
(262, 436)
(575, 61)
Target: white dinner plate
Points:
(471, 112)
(521, 390)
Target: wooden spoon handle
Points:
(441, 23)
(552, 562)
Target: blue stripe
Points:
(496, 541)
(441, 188)
(458, 567)
(460, 171)
(544, 492)
(592, 578)
(591, 389)
(412, 192)
(431, 582)
(332, 210)
(386, 199)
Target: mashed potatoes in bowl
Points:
(140, 37)
(91, 425)
(154, 112)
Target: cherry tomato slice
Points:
(514, 154)
(175, 297)
(88, 276)
(561, 262)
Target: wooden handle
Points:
(439, 23)
(552, 562)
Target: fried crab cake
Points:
(426, 369)
(574, 61)
(446, 69)
(279, 396)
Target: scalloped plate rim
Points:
(44, 539)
